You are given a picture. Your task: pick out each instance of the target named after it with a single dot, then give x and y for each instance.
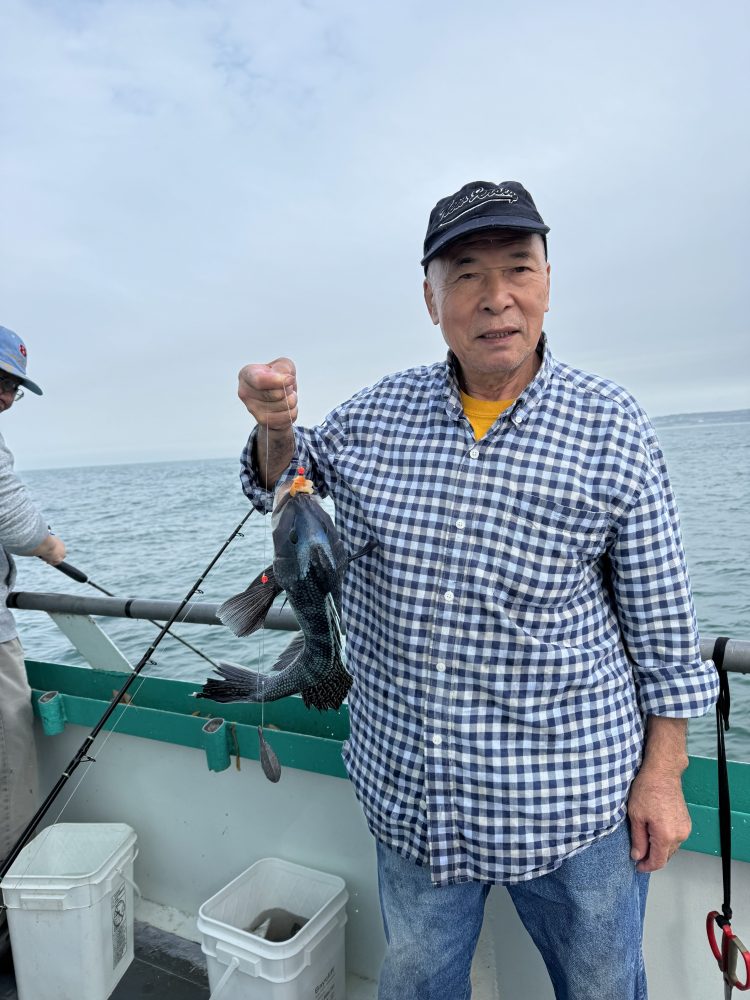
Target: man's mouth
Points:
(497, 334)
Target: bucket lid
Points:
(70, 854)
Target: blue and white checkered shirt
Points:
(527, 605)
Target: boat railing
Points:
(195, 612)
(80, 608)
(166, 710)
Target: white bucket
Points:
(308, 966)
(69, 895)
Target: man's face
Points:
(9, 386)
(489, 294)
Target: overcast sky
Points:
(186, 186)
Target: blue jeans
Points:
(593, 897)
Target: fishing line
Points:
(82, 754)
(268, 759)
(262, 643)
(126, 705)
(80, 577)
(131, 702)
(110, 732)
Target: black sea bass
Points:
(309, 564)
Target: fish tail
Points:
(238, 685)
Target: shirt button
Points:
(437, 739)
(460, 523)
(474, 453)
(423, 805)
(449, 595)
(440, 667)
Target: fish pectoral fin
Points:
(291, 653)
(333, 685)
(364, 551)
(245, 613)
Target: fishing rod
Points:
(80, 577)
(82, 752)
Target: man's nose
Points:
(497, 294)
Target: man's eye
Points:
(467, 276)
(521, 269)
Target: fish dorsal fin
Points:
(245, 613)
(291, 653)
(364, 551)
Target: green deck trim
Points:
(311, 741)
(164, 710)
(700, 787)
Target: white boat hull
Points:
(198, 829)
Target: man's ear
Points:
(429, 299)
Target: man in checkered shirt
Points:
(522, 640)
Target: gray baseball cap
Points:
(13, 357)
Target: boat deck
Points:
(170, 968)
(165, 966)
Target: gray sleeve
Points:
(22, 526)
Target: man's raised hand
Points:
(270, 393)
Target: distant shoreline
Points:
(709, 417)
(668, 420)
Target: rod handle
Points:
(72, 572)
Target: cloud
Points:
(187, 186)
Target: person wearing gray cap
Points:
(24, 532)
(522, 640)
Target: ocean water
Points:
(149, 531)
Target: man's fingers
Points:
(650, 848)
(657, 856)
(281, 372)
(638, 839)
(269, 391)
(276, 395)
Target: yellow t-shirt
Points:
(482, 413)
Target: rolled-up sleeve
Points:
(655, 606)
(315, 448)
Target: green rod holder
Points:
(52, 712)
(215, 737)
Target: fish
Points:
(309, 564)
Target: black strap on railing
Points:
(725, 809)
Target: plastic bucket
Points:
(69, 896)
(308, 966)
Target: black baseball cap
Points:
(481, 205)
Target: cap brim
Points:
(25, 382)
(31, 386)
(485, 222)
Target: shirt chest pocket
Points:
(549, 551)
